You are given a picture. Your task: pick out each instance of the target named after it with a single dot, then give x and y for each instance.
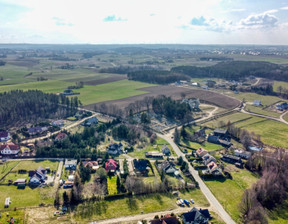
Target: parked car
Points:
(187, 202)
(192, 201)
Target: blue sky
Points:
(144, 21)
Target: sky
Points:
(144, 21)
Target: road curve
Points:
(217, 207)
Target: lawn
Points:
(18, 216)
(206, 145)
(26, 197)
(135, 205)
(140, 153)
(229, 193)
(112, 186)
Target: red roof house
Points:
(9, 149)
(61, 136)
(111, 165)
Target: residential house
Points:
(58, 123)
(61, 136)
(9, 149)
(242, 154)
(165, 150)
(141, 166)
(167, 167)
(70, 164)
(37, 176)
(200, 133)
(282, 106)
(115, 149)
(90, 121)
(4, 136)
(214, 169)
(154, 154)
(196, 216)
(165, 220)
(193, 103)
(92, 164)
(111, 165)
(37, 130)
(201, 152)
(68, 184)
(257, 103)
(208, 158)
(231, 159)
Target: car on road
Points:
(192, 201)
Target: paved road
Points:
(57, 178)
(205, 190)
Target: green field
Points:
(276, 60)
(259, 110)
(229, 193)
(278, 83)
(147, 203)
(112, 186)
(89, 94)
(6, 167)
(206, 145)
(271, 132)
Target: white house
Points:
(4, 136)
(9, 149)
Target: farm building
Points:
(221, 133)
(257, 103)
(255, 149)
(200, 133)
(20, 183)
(242, 154)
(7, 202)
(70, 164)
(213, 139)
(231, 159)
(4, 136)
(154, 154)
(165, 150)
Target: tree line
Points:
(20, 107)
(270, 191)
(236, 70)
(157, 76)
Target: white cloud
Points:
(263, 20)
(284, 8)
